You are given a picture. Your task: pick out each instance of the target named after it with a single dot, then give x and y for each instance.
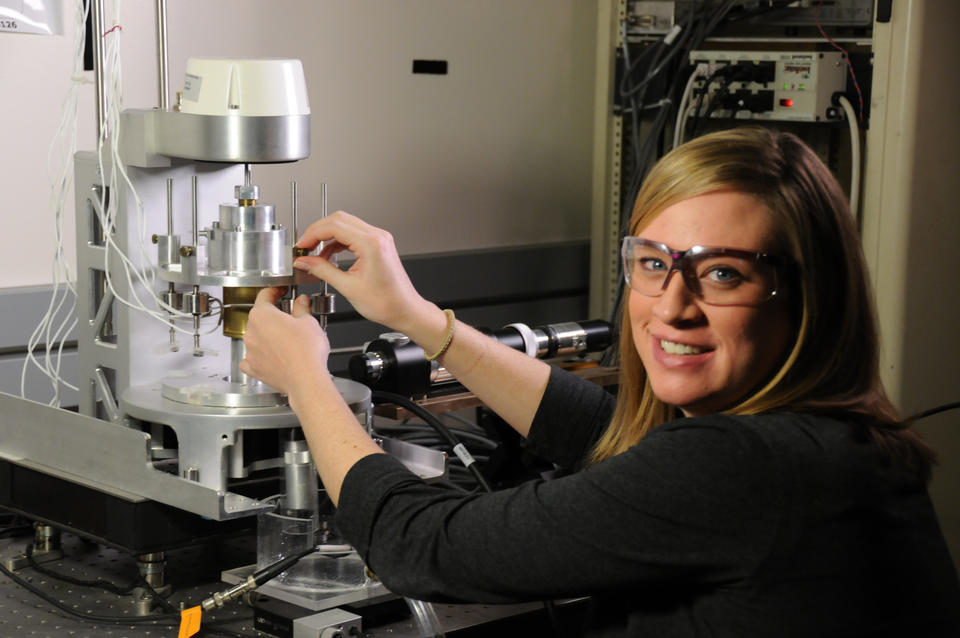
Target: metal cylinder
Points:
(172, 298)
(96, 10)
(238, 350)
(246, 239)
(300, 477)
(162, 75)
(46, 538)
(196, 303)
(367, 366)
(152, 567)
(322, 303)
(570, 338)
(255, 217)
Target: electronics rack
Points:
(774, 62)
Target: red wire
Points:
(112, 29)
(846, 56)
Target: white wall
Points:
(496, 153)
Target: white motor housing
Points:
(254, 88)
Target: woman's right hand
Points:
(509, 382)
(376, 284)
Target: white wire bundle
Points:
(51, 332)
(114, 173)
(60, 319)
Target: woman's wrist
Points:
(422, 322)
(317, 387)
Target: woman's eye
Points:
(652, 264)
(724, 275)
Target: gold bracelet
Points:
(451, 319)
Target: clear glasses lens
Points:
(719, 279)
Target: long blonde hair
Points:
(833, 366)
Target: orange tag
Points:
(189, 622)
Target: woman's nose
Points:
(677, 304)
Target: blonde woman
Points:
(751, 478)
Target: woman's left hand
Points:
(287, 352)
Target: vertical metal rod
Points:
(169, 205)
(295, 206)
(294, 198)
(170, 286)
(96, 10)
(323, 199)
(323, 213)
(247, 178)
(196, 207)
(196, 246)
(162, 54)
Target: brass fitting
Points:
(236, 309)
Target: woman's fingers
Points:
(340, 226)
(319, 267)
(301, 307)
(270, 295)
(376, 284)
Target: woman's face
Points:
(699, 357)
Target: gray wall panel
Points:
(20, 312)
(38, 386)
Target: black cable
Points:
(270, 572)
(734, 73)
(84, 615)
(699, 23)
(471, 438)
(99, 583)
(721, 72)
(132, 620)
(380, 396)
(937, 410)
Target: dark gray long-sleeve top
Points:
(768, 525)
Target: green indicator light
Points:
(786, 87)
(802, 87)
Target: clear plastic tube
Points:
(426, 618)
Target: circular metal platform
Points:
(149, 403)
